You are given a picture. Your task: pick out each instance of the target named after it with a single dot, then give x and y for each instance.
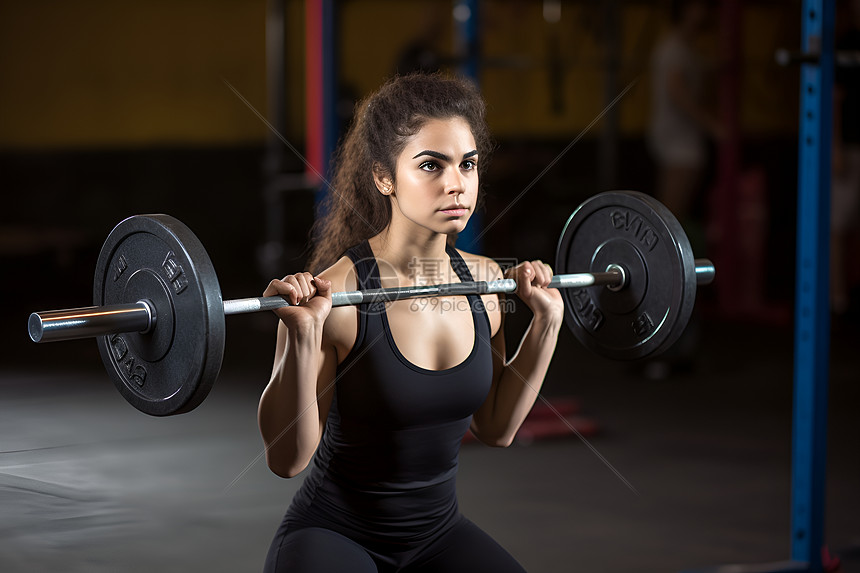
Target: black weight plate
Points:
(638, 233)
(170, 369)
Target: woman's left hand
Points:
(532, 278)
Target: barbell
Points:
(159, 317)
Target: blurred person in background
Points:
(681, 123)
(845, 189)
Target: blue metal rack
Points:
(468, 45)
(812, 310)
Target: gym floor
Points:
(693, 470)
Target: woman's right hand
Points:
(309, 298)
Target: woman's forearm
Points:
(521, 380)
(288, 415)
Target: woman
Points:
(380, 396)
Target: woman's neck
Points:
(413, 256)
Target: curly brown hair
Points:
(353, 209)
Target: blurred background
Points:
(109, 109)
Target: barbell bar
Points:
(159, 317)
(141, 317)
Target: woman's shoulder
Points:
(482, 268)
(341, 274)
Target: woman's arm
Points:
(295, 404)
(516, 383)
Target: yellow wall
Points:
(97, 72)
(106, 73)
(770, 96)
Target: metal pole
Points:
(276, 83)
(611, 278)
(467, 47)
(141, 316)
(320, 86)
(330, 86)
(90, 321)
(608, 150)
(724, 199)
(812, 310)
(274, 163)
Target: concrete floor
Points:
(89, 484)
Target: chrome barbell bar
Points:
(140, 316)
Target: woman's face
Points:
(437, 177)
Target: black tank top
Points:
(387, 462)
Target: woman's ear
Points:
(382, 179)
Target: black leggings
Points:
(463, 548)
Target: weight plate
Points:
(638, 233)
(170, 369)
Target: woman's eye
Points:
(468, 165)
(429, 166)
